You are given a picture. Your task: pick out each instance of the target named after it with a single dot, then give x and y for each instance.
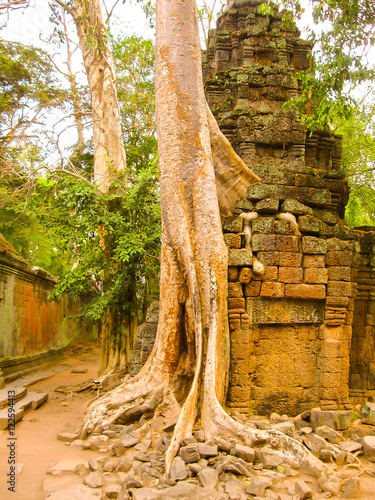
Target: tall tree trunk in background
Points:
(109, 160)
(77, 105)
(200, 175)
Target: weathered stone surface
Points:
(272, 289)
(314, 443)
(268, 458)
(268, 311)
(285, 427)
(312, 245)
(368, 413)
(308, 224)
(241, 257)
(316, 275)
(208, 478)
(368, 444)
(67, 437)
(233, 225)
(304, 291)
(245, 275)
(232, 240)
(329, 434)
(235, 490)
(263, 242)
(235, 465)
(128, 440)
(244, 452)
(295, 207)
(94, 479)
(190, 453)
(178, 470)
(351, 488)
(303, 490)
(267, 206)
(68, 465)
(206, 450)
(350, 446)
(256, 488)
(338, 420)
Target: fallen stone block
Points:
(368, 444)
(79, 492)
(208, 478)
(368, 413)
(303, 490)
(7, 418)
(336, 419)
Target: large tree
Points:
(200, 175)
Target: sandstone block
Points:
(295, 207)
(269, 258)
(329, 434)
(264, 225)
(208, 478)
(339, 273)
(314, 443)
(206, 450)
(336, 244)
(351, 488)
(337, 258)
(313, 245)
(256, 488)
(290, 259)
(316, 275)
(350, 446)
(190, 453)
(337, 419)
(178, 469)
(244, 205)
(232, 273)
(244, 452)
(304, 291)
(245, 275)
(271, 289)
(236, 303)
(303, 490)
(267, 206)
(241, 257)
(268, 458)
(232, 240)
(369, 447)
(313, 261)
(233, 225)
(263, 242)
(283, 227)
(368, 413)
(252, 289)
(290, 274)
(331, 349)
(235, 289)
(287, 243)
(270, 274)
(308, 224)
(339, 289)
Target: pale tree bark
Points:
(199, 175)
(117, 329)
(109, 156)
(76, 101)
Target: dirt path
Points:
(37, 447)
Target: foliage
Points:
(134, 61)
(76, 210)
(28, 88)
(358, 161)
(343, 39)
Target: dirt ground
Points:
(37, 447)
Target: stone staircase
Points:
(22, 401)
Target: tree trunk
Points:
(198, 171)
(109, 156)
(109, 151)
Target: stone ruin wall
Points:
(30, 323)
(299, 281)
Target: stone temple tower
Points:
(291, 268)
